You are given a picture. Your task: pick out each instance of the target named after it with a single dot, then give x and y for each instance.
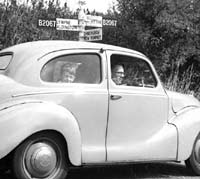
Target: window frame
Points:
(136, 56)
(5, 54)
(68, 54)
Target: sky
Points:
(98, 5)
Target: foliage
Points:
(168, 31)
(19, 22)
(180, 82)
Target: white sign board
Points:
(93, 34)
(67, 24)
(94, 21)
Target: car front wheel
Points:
(42, 156)
(193, 163)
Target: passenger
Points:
(68, 73)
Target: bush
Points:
(182, 82)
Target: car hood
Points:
(180, 101)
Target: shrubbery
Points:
(166, 31)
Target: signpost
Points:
(47, 23)
(93, 21)
(79, 25)
(93, 34)
(67, 24)
(109, 22)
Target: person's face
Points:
(67, 75)
(118, 75)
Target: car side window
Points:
(132, 71)
(5, 60)
(73, 68)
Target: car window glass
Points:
(132, 71)
(74, 68)
(4, 61)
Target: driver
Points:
(118, 74)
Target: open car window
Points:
(136, 71)
(73, 68)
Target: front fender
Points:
(19, 121)
(188, 125)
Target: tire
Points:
(41, 156)
(193, 162)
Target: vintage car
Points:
(60, 107)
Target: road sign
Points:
(94, 21)
(93, 34)
(67, 24)
(46, 23)
(110, 22)
(79, 25)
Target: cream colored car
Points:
(66, 104)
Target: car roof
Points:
(47, 46)
(32, 51)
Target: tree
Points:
(165, 30)
(19, 22)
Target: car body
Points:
(49, 120)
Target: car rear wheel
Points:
(42, 156)
(193, 163)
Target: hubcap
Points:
(40, 160)
(197, 151)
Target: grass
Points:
(183, 82)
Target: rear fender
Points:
(187, 122)
(22, 120)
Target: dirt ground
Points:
(146, 171)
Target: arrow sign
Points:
(94, 21)
(93, 34)
(67, 24)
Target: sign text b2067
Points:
(49, 23)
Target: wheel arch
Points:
(30, 118)
(187, 123)
(48, 131)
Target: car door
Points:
(138, 111)
(77, 80)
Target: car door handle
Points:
(115, 97)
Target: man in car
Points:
(118, 74)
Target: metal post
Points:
(81, 22)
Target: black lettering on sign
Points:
(89, 33)
(96, 37)
(86, 38)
